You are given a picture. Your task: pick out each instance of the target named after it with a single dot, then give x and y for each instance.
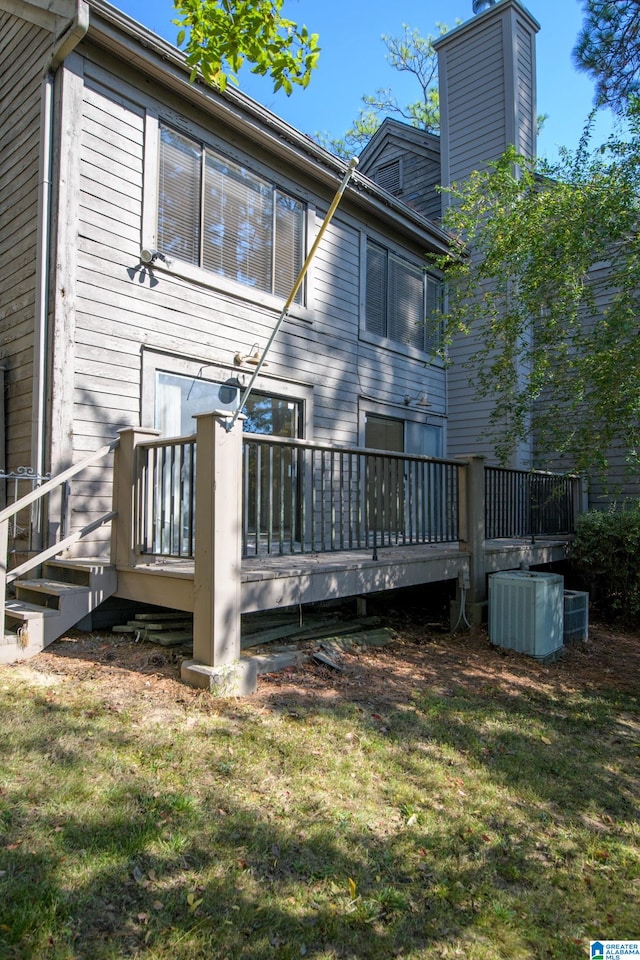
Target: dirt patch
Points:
(419, 659)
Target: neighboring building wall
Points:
(619, 483)
(24, 49)
(487, 103)
(618, 487)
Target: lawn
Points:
(437, 798)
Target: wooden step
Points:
(53, 588)
(153, 617)
(44, 608)
(19, 609)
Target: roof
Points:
(419, 140)
(156, 58)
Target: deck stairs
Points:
(45, 607)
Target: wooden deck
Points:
(269, 583)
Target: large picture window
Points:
(403, 301)
(179, 399)
(216, 214)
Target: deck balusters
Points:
(301, 497)
(523, 503)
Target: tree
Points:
(220, 35)
(608, 47)
(552, 293)
(410, 53)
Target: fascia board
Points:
(155, 58)
(48, 14)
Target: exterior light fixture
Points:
(252, 358)
(149, 257)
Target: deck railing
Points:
(301, 497)
(164, 498)
(521, 503)
(37, 495)
(25, 527)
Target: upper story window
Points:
(403, 301)
(216, 214)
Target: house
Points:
(487, 78)
(150, 230)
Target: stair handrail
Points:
(54, 482)
(26, 501)
(58, 547)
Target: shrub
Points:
(606, 554)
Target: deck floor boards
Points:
(270, 583)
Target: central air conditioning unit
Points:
(576, 615)
(526, 612)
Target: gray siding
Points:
(477, 126)
(620, 482)
(526, 119)
(418, 157)
(23, 52)
(620, 485)
(487, 83)
(123, 309)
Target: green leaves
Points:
(551, 292)
(605, 552)
(220, 35)
(608, 49)
(410, 53)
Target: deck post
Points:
(580, 499)
(123, 546)
(218, 550)
(472, 591)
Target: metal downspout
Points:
(64, 45)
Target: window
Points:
(408, 436)
(383, 433)
(180, 398)
(403, 302)
(218, 215)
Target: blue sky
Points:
(353, 60)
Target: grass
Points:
(481, 824)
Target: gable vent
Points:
(390, 176)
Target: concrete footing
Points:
(238, 679)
